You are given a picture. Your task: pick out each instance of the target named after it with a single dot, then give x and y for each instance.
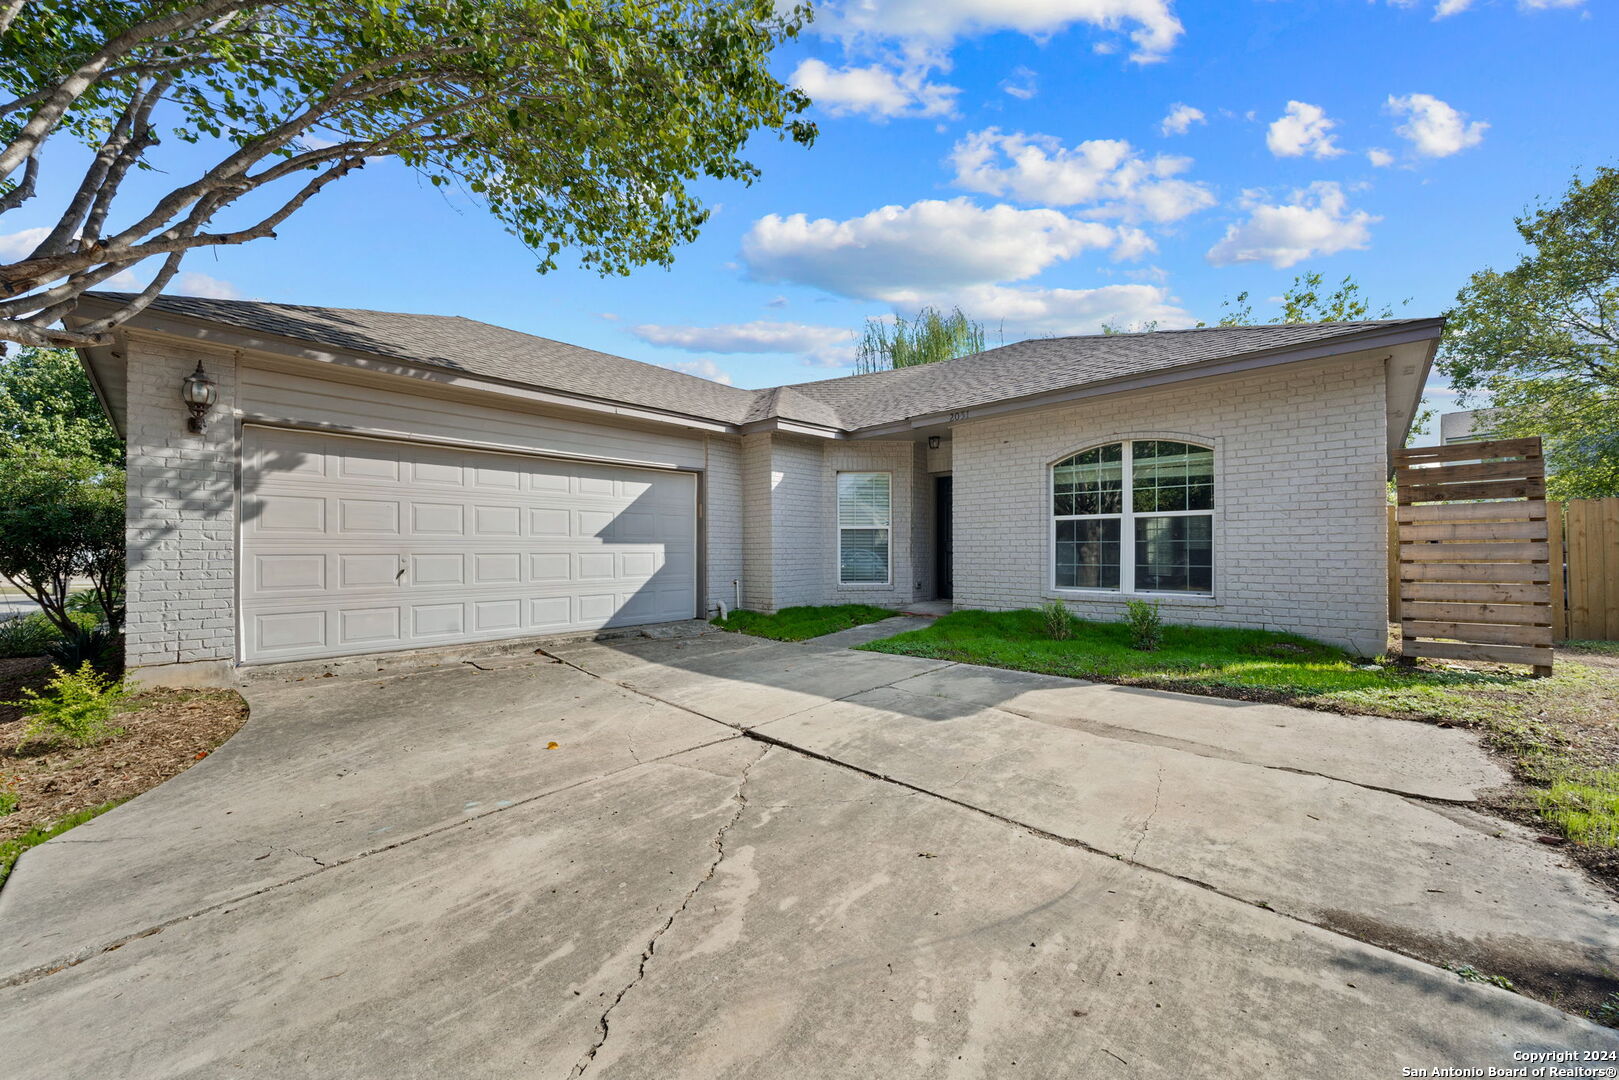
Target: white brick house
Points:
(369, 481)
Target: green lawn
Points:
(1558, 731)
(801, 623)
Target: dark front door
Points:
(943, 518)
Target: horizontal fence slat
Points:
(1474, 571)
(1476, 593)
(1478, 633)
(1476, 530)
(1538, 656)
(1440, 611)
(1456, 474)
(1427, 551)
(1481, 489)
(1442, 513)
(1475, 451)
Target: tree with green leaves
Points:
(579, 124)
(932, 335)
(1540, 342)
(62, 518)
(1308, 300)
(47, 404)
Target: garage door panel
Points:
(350, 547)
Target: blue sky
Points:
(1018, 158)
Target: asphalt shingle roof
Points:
(1012, 371)
(1045, 364)
(469, 347)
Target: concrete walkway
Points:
(959, 872)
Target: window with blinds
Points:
(864, 520)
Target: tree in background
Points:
(1540, 342)
(931, 336)
(61, 518)
(1305, 301)
(578, 124)
(47, 404)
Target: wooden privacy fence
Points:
(1474, 552)
(1583, 542)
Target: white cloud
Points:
(1434, 128)
(16, 246)
(1151, 24)
(1181, 118)
(1318, 221)
(1303, 129)
(1379, 157)
(703, 369)
(832, 346)
(1020, 312)
(1456, 7)
(211, 288)
(1107, 175)
(894, 251)
(878, 91)
(1022, 84)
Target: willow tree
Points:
(579, 123)
(931, 335)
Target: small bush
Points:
(1146, 625)
(1059, 623)
(33, 635)
(76, 707)
(8, 800)
(96, 646)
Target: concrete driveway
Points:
(744, 858)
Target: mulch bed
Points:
(165, 733)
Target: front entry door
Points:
(943, 517)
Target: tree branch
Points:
(54, 106)
(25, 189)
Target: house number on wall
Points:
(959, 415)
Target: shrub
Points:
(1146, 625)
(8, 799)
(33, 635)
(95, 646)
(76, 707)
(1059, 623)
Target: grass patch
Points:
(1604, 648)
(801, 623)
(12, 850)
(1558, 732)
(1584, 807)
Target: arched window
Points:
(1156, 496)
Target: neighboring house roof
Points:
(1025, 369)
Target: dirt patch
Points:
(26, 673)
(1573, 978)
(165, 733)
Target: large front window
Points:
(1134, 517)
(864, 519)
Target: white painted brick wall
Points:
(723, 518)
(898, 458)
(1300, 522)
(758, 560)
(181, 512)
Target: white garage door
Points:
(359, 545)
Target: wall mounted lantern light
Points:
(199, 393)
(933, 442)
